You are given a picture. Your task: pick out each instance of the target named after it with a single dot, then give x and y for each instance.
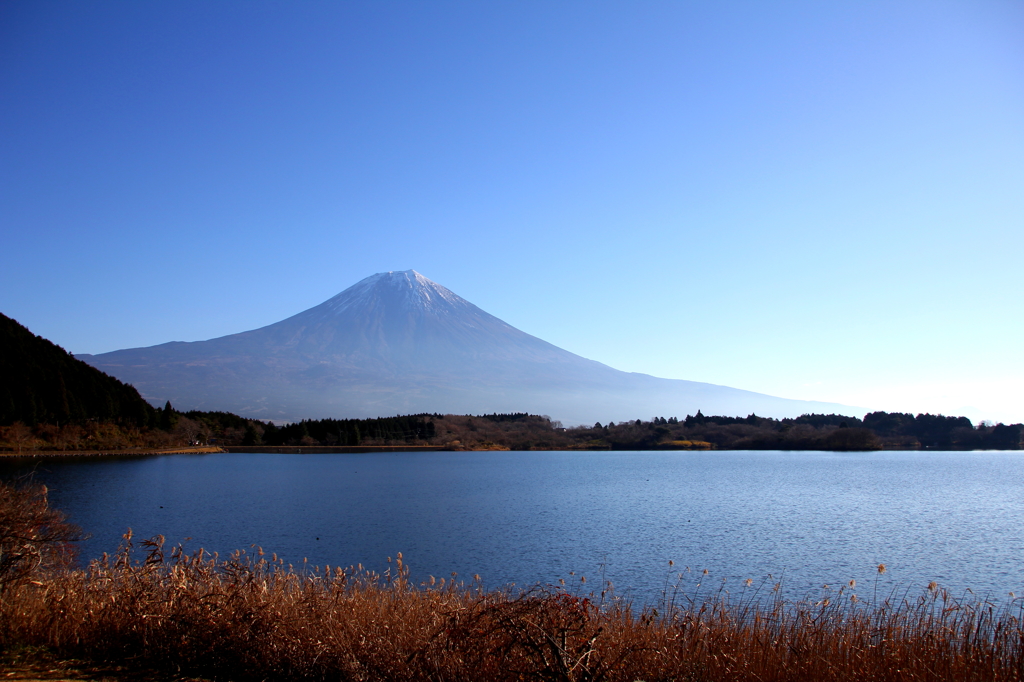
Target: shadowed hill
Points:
(41, 382)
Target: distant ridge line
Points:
(400, 343)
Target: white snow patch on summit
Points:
(409, 288)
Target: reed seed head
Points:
(881, 569)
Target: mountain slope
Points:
(42, 382)
(398, 343)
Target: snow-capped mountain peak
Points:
(407, 290)
(398, 343)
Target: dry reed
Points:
(251, 617)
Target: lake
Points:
(809, 518)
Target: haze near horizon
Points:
(812, 202)
(398, 343)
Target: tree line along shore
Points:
(206, 431)
(52, 402)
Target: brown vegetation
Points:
(88, 436)
(250, 617)
(253, 618)
(33, 537)
(100, 436)
(539, 433)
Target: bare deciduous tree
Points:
(191, 431)
(19, 434)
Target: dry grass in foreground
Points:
(252, 618)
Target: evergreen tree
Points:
(252, 436)
(167, 419)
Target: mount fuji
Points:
(399, 343)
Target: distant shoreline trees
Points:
(521, 431)
(51, 401)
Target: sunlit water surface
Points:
(809, 518)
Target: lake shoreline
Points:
(351, 449)
(127, 452)
(324, 450)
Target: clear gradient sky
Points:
(812, 200)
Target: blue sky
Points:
(811, 200)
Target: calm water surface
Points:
(533, 517)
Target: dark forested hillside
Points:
(40, 382)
